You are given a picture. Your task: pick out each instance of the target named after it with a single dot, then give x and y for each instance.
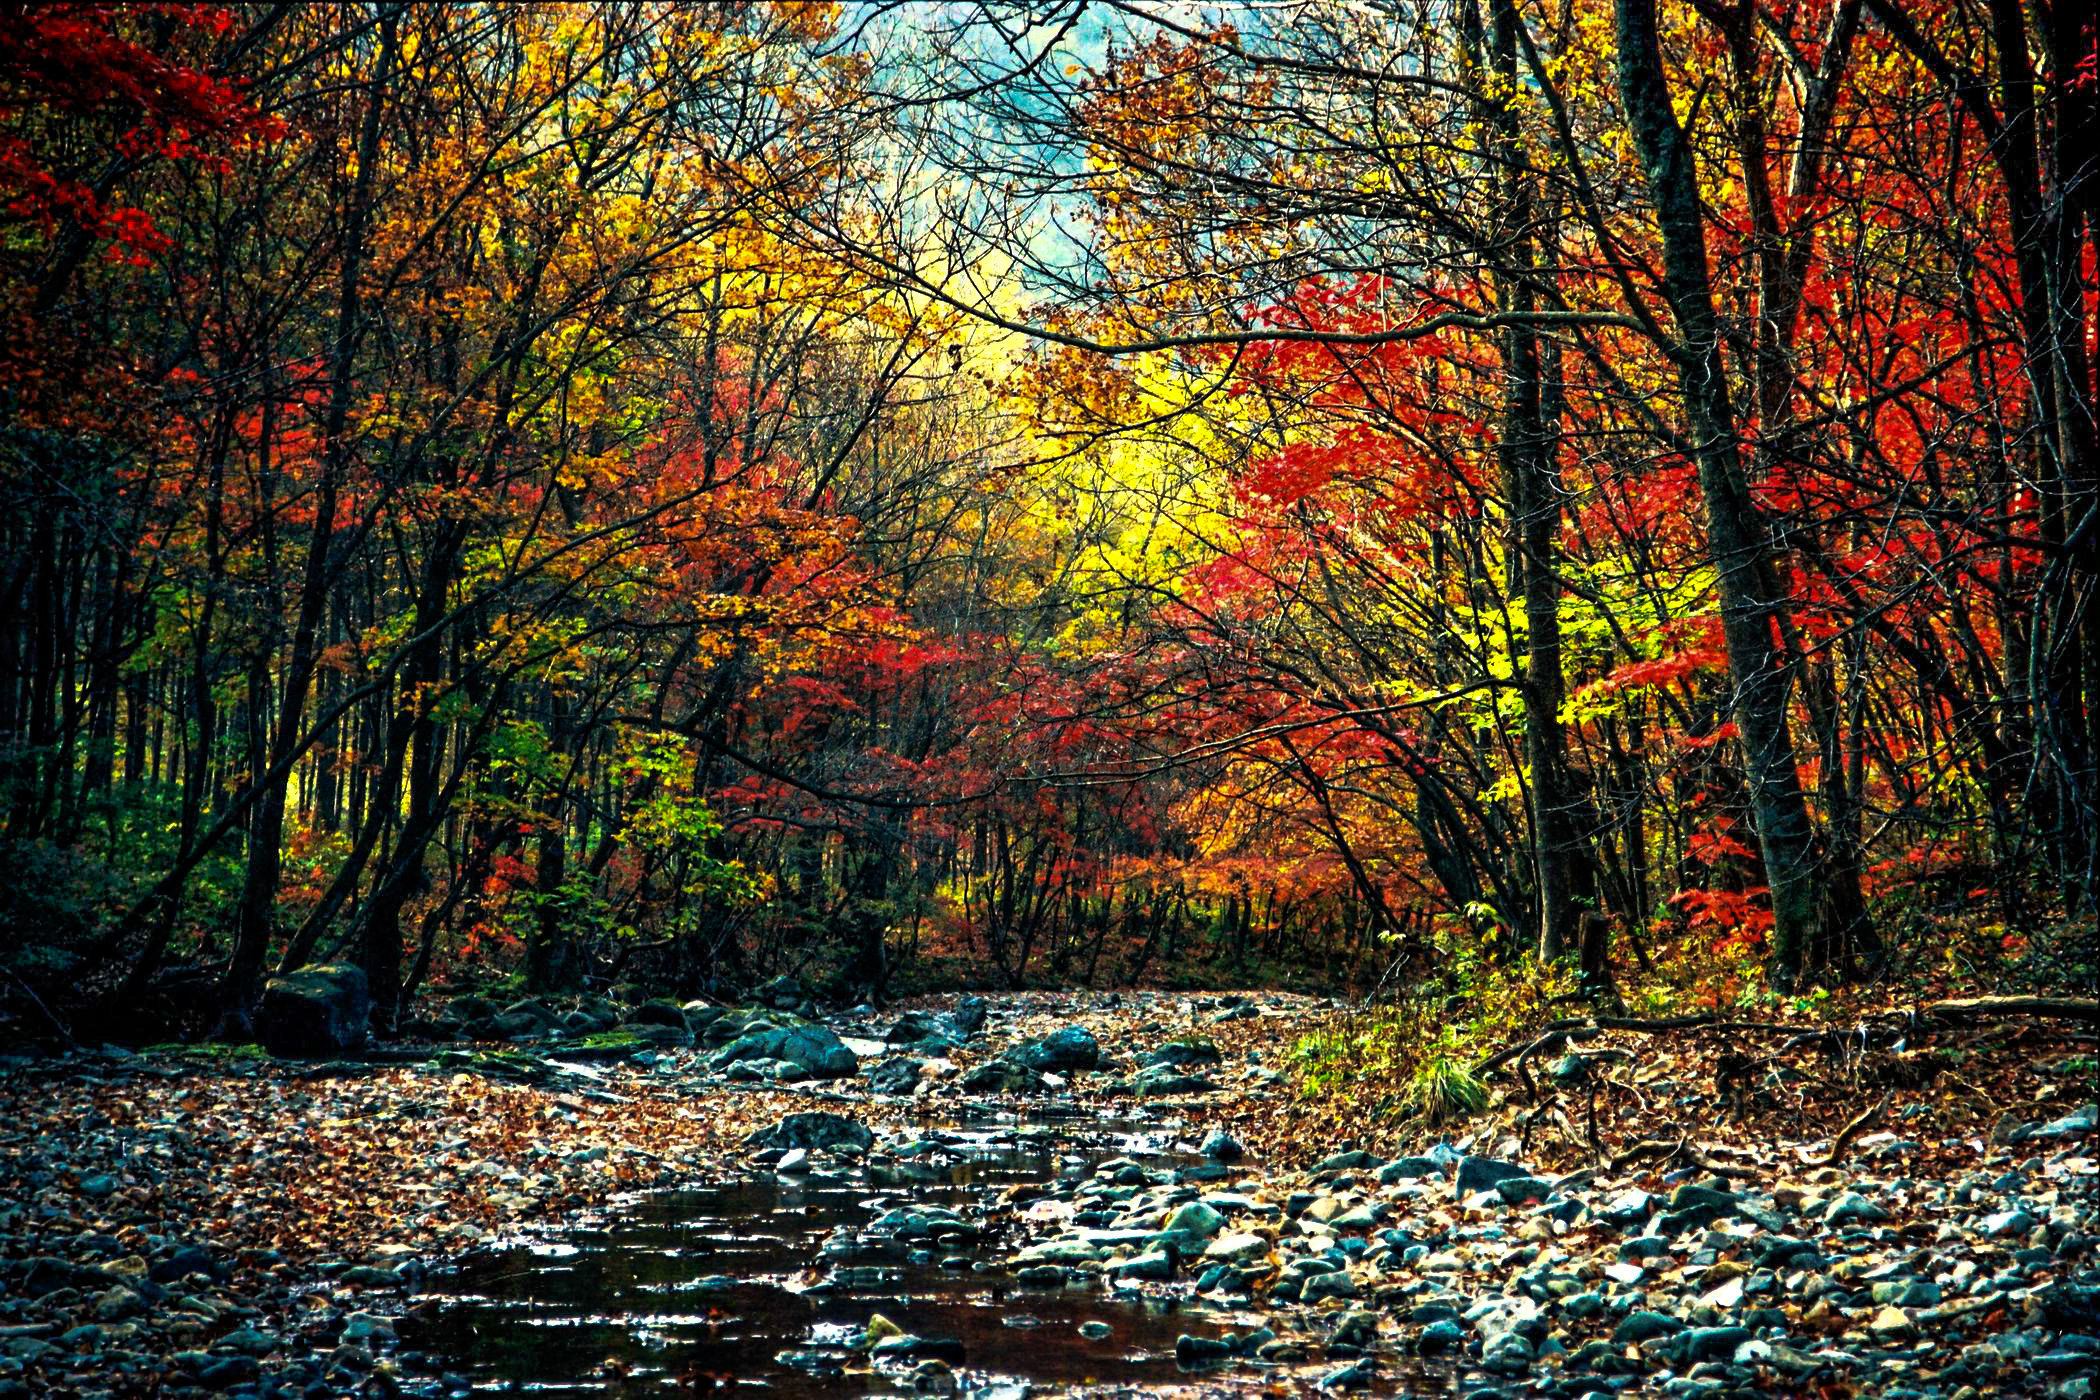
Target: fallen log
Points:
(1954, 1012)
(1966, 1010)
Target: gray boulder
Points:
(923, 1029)
(1409, 1169)
(1067, 1048)
(1003, 1077)
(1484, 1173)
(968, 1016)
(766, 1071)
(2076, 1124)
(315, 1011)
(894, 1076)
(816, 1049)
(1517, 1190)
(808, 1130)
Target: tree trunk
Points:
(257, 919)
(1753, 604)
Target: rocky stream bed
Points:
(1026, 1194)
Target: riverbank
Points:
(205, 1223)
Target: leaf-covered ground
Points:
(190, 1219)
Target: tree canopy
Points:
(601, 491)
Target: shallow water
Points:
(761, 1283)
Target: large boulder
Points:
(899, 1075)
(924, 1029)
(968, 1016)
(1482, 1174)
(315, 1011)
(815, 1048)
(727, 1026)
(1067, 1048)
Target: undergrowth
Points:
(1409, 1055)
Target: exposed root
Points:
(1851, 1130)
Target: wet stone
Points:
(1645, 1326)
(807, 1130)
(1851, 1208)
(1067, 1048)
(1644, 1247)
(1439, 1337)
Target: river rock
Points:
(1483, 1173)
(1237, 1249)
(116, 1304)
(1645, 1326)
(1694, 1197)
(661, 1011)
(1696, 1344)
(766, 1071)
(1644, 1247)
(969, 1015)
(1334, 1285)
(2074, 1124)
(1851, 1208)
(816, 1049)
(320, 1010)
(1067, 1048)
(907, 1345)
(924, 1030)
(1439, 1337)
(1409, 1169)
(186, 1261)
(1517, 1190)
(1065, 1249)
(1003, 1077)
(895, 1076)
(1184, 1054)
(1350, 1159)
(1357, 1373)
(1153, 1264)
(1195, 1219)
(784, 993)
(807, 1130)
(1628, 1209)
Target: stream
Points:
(766, 1282)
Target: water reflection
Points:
(768, 1283)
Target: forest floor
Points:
(1697, 1211)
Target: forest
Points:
(692, 493)
(1449, 556)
